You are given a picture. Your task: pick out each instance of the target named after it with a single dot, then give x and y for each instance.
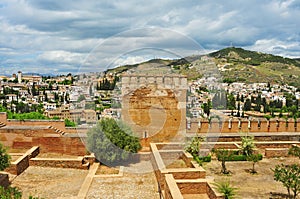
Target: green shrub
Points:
(69, 123)
(205, 158)
(201, 159)
(239, 157)
(10, 193)
(112, 141)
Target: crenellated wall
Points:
(155, 106)
(234, 125)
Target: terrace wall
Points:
(276, 152)
(76, 163)
(26, 138)
(22, 163)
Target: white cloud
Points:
(61, 57)
(60, 34)
(286, 49)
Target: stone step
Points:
(56, 130)
(2, 124)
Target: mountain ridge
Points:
(234, 64)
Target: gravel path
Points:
(50, 182)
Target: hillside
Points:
(237, 64)
(240, 55)
(233, 64)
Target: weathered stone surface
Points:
(155, 111)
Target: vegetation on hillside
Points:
(251, 57)
(239, 65)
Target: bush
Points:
(194, 145)
(69, 123)
(4, 158)
(201, 159)
(112, 141)
(10, 193)
(239, 157)
(226, 189)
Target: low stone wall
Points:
(279, 144)
(196, 186)
(76, 163)
(175, 189)
(4, 179)
(187, 158)
(276, 152)
(22, 163)
(171, 189)
(158, 162)
(186, 173)
(220, 145)
(213, 194)
(33, 152)
(59, 124)
(171, 146)
(74, 130)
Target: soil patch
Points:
(105, 170)
(258, 185)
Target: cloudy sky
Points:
(48, 36)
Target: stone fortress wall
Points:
(235, 125)
(155, 106)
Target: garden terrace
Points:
(178, 176)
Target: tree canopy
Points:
(289, 176)
(112, 141)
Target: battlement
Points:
(169, 81)
(154, 105)
(234, 125)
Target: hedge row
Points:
(239, 157)
(201, 159)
